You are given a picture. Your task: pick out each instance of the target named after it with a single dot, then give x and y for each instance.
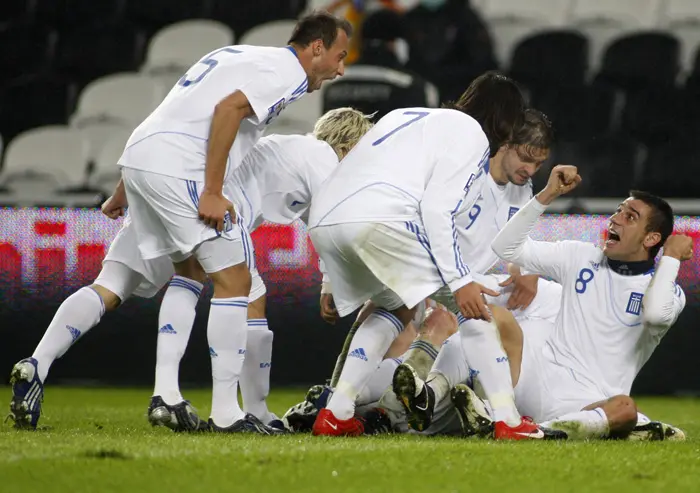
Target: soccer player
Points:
(229, 96)
(617, 304)
(508, 188)
(276, 182)
(383, 223)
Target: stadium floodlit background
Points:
(619, 79)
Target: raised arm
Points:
(513, 242)
(664, 299)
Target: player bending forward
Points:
(300, 166)
(383, 223)
(575, 375)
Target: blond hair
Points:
(342, 128)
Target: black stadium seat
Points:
(31, 101)
(26, 49)
(641, 60)
(256, 12)
(65, 14)
(151, 15)
(14, 10)
(607, 165)
(551, 58)
(669, 170)
(100, 49)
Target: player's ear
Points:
(317, 47)
(652, 239)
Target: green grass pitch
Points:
(98, 440)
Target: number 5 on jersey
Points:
(211, 62)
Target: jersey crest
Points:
(634, 305)
(512, 211)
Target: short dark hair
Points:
(497, 103)
(383, 25)
(660, 220)
(319, 24)
(536, 131)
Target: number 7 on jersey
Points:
(418, 116)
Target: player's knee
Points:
(190, 269)
(439, 325)
(110, 300)
(622, 414)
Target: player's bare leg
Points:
(615, 417)
(369, 345)
(175, 320)
(79, 313)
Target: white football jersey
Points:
(478, 226)
(173, 139)
(416, 164)
(609, 324)
(279, 177)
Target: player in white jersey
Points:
(276, 182)
(616, 307)
(177, 162)
(125, 273)
(508, 188)
(383, 223)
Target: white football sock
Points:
(370, 344)
(79, 313)
(642, 419)
(450, 368)
(420, 356)
(378, 382)
(482, 347)
(582, 424)
(175, 320)
(227, 331)
(255, 377)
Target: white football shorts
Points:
(165, 217)
(389, 263)
(545, 389)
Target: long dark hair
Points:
(497, 103)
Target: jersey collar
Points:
(294, 52)
(631, 268)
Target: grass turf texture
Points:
(99, 440)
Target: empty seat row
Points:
(149, 15)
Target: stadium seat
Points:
(643, 59)
(551, 58)
(32, 48)
(607, 165)
(66, 14)
(175, 48)
(45, 158)
(682, 18)
(112, 103)
(510, 21)
(35, 100)
(256, 13)
(604, 20)
(668, 169)
(96, 50)
(14, 10)
(691, 101)
(653, 115)
(152, 15)
(275, 33)
(105, 174)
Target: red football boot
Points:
(327, 424)
(526, 430)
